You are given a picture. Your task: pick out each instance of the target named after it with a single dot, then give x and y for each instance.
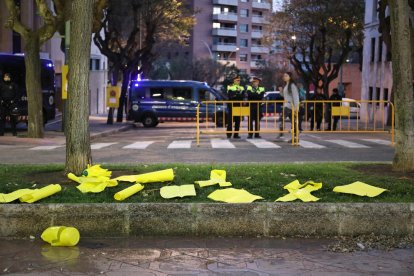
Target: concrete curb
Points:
(110, 132)
(211, 219)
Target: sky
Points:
(277, 4)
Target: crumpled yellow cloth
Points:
(30, 195)
(216, 177)
(158, 176)
(232, 195)
(300, 191)
(125, 193)
(95, 171)
(93, 180)
(177, 191)
(360, 189)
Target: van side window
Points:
(182, 93)
(157, 93)
(138, 93)
(205, 95)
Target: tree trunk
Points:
(33, 86)
(122, 99)
(78, 149)
(403, 87)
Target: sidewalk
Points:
(198, 256)
(55, 136)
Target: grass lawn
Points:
(266, 180)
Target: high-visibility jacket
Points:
(235, 92)
(255, 94)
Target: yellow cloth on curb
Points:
(31, 195)
(232, 195)
(177, 191)
(216, 177)
(61, 236)
(360, 189)
(125, 193)
(300, 191)
(157, 176)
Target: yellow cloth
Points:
(177, 191)
(96, 170)
(216, 177)
(359, 188)
(30, 195)
(231, 195)
(158, 176)
(300, 191)
(96, 181)
(125, 193)
(61, 236)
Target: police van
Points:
(151, 102)
(14, 64)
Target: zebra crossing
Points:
(217, 143)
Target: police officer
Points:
(334, 97)
(9, 97)
(255, 93)
(235, 92)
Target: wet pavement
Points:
(196, 256)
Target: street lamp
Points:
(237, 48)
(209, 49)
(341, 88)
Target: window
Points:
(243, 57)
(216, 10)
(373, 49)
(244, 28)
(94, 64)
(378, 96)
(157, 93)
(216, 25)
(386, 95)
(371, 92)
(380, 42)
(243, 42)
(205, 95)
(244, 13)
(182, 93)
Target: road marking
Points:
(97, 146)
(310, 145)
(45, 147)
(348, 144)
(184, 144)
(221, 144)
(263, 144)
(378, 141)
(139, 145)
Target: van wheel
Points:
(149, 120)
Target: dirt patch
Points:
(382, 170)
(370, 242)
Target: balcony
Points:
(257, 19)
(229, 17)
(228, 62)
(257, 34)
(226, 2)
(225, 47)
(259, 49)
(255, 64)
(225, 32)
(262, 5)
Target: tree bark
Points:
(33, 86)
(403, 86)
(78, 149)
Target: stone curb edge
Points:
(110, 132)
(211, 219)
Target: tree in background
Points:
(33, 40)
(130, 30)
(401, 50)
(271, 75)
(318, 36)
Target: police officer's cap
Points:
(256, 79)
(235, 77)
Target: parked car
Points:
(354, 107)
(151, 102)
(270, 109)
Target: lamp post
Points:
(341, 88)
(235, 51)
(209, 49)
(293, 37)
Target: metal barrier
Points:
(215, 115)
(364, 113)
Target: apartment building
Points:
(230, 31)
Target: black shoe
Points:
(228, 136)
(250, 137)
(257, 136)
(236, 137)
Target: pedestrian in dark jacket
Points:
(334, 97)
(316, 109)
(9, 97)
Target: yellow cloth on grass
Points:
(177, 191)
(231, 195)
(125, 193)
(216, 177)
(94, 179)
(300, 191)
(158, 176)
(360, 189)
(30, 195)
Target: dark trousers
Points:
(254, 117)
(288, 113)
(318, 120)
(335, 120)
(5, 112)
(229, 121)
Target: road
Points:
(176, 142)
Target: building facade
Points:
(230, 31)
(11, 42)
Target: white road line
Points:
(263, 144)
(378, 141)
(139, 145)
(184, 144)
(45, 147)
(348, 144)
(310, 145)
(96, 146)
(221, 144)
